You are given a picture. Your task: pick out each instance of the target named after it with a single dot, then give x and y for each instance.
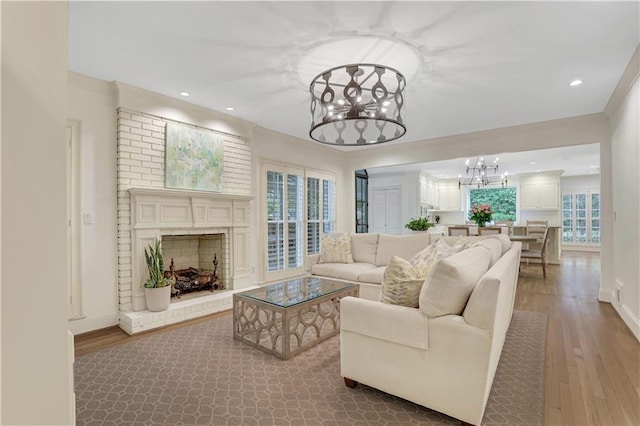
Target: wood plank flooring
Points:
(592, 373)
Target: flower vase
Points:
(481, 224)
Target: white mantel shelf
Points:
(156, 192)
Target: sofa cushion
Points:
(445, 249)
(364, 247)
(342, 271)
(374, 276)
(401, 283)
(336, 249)
(404, 246)
(451, 281)
(493, 245)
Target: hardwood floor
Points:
(592, 372)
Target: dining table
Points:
(523, 238)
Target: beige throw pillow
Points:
(401, 283)
(451, 281)
(336, 249)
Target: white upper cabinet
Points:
(540, 191)
(429, 191)
(449, 195)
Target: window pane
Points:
(295, 216)
(313, 237)
(275, 246)
(567, 230)
(581, 231)
(501, 200)
(328, 206)
(275, 200)
(313, 198)
(275, 217)
(313, 215)
(595, 205)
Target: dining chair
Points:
(538, 254)
(537, 228)
(458, 230)
(490, 230)
(507, 224)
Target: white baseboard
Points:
(629, 318)
(87, 324)
(606, 296)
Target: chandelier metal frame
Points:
(479, 176)
(357, 105)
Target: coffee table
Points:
(286, 318)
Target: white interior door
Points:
(386, 211)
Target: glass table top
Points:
(295, 291)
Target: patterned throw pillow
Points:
(401, 283)
(445, 250)
(336, 249)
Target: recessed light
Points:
(184, 94)
(576, 82)
(533, 162)
(230, 108)
(538, 170)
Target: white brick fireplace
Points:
(162, 212)
(147, 211)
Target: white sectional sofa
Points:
(445, 362)
(371, 253)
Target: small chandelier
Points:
(357, 105)
(479, 176)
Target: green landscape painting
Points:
(194, 158)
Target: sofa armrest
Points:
(311, 260)
(397, 324)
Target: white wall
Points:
(93, 103)
(409, 184)
(625, 157)
(37, 350)
(580, 183)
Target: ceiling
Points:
(573, 160)
(470, 66)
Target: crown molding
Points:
(629, 76)
(91, 83)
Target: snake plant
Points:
(155, 264)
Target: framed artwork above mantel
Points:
(194, 158)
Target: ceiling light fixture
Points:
(230, 108)
(185, 94)
(576, 82)
(479, 176)
(357, 105)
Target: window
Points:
(581, 218)
(362, 201)
(501, 200)
(300, 209)
(321, 210)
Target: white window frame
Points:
(288, 169)
(588, 218)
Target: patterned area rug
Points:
(199, 375)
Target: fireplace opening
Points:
(195, 263)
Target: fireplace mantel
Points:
(158, 212)
(180, 193)
(166, 208)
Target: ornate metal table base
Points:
(287, 331)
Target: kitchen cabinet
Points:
(540, 191)
(449, 195)
(428, 191)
